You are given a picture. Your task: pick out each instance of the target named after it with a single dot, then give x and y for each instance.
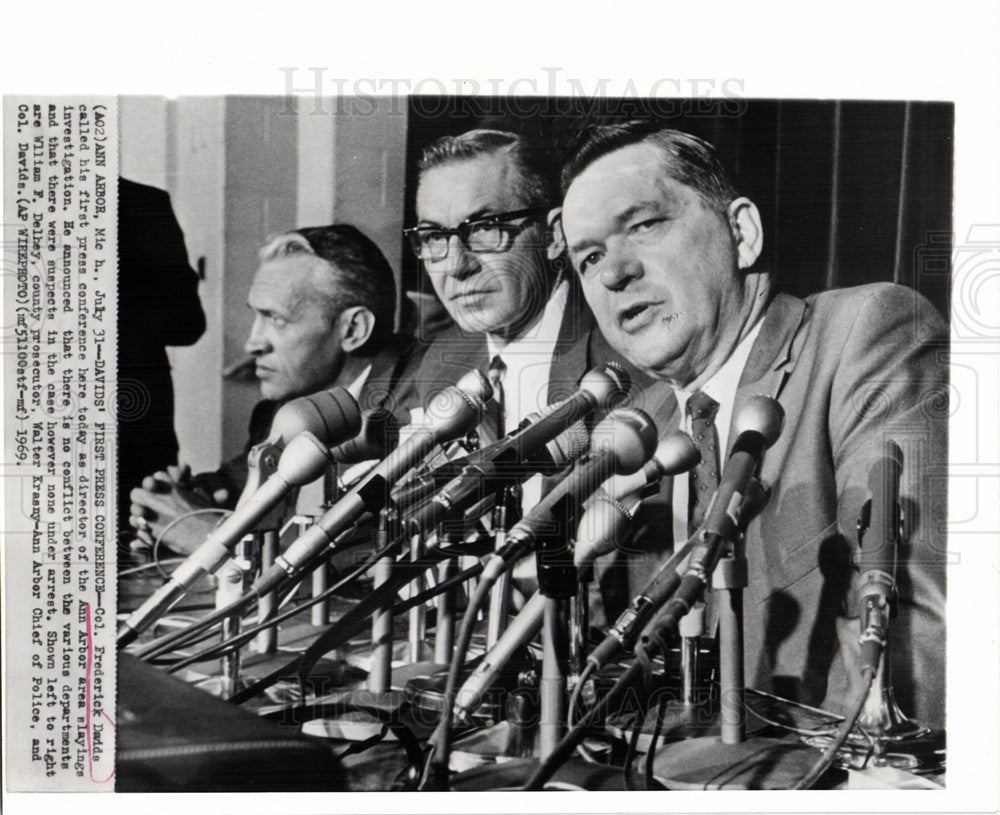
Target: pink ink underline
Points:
(90, 662)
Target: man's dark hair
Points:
(361, 274)
(534, 185)
(690, 160)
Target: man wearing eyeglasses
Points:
(492, 256)
(667, 254)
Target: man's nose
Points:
(460, 261)
(621, 266)
(257, 343)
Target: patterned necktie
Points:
(704, 478)
(496, 407)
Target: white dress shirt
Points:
(526, 381)
(722, 387)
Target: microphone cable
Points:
(225, 513)
(190, 634)
(843, 732)
(226, 647)
(568, 744)
(223, 648)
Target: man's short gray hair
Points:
(357, 272)
(535, 187)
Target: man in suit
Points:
(324, 303)
(665, 252)
(482, 202)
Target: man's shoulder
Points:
(441, 362)
(871, 300)
(391, 381)
(876, 311)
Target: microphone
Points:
(878, 554)
(758, 425)
(521, 630)
(377, 437)
(303, 460)
(605, 522)
(620, 444)
(453, 412)
(624, 442)
(547, 460)
(332, 416)
(606, 519)
(599, 388)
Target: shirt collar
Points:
(355, 387)
(723, 384)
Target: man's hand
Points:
(167, 496)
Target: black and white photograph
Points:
(538, 434)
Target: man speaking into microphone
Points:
(324, 303)
(666, 253)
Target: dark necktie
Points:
(496, 407)
(704, 478)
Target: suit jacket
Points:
(579, 347)
(158, 306)
(850, 368)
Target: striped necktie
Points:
(497, 408)
(704, 478)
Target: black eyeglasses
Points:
(494, 233)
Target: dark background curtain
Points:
(850, 192)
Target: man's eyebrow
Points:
(482, 212)
(618, 220)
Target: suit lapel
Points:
(772, 357)
(571, 357)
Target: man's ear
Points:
(556, 241)
(748, 233)
(354, 326)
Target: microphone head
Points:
(569, 445)
(887, 469)
(676, 453)
(378, 436)
(617, 372)
(630, 435)
(331, 415)
(453, 412)
(475, 383)
(303, 459)
(608, 384)
(761, 414)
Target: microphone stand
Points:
(731, 760)
(557, 582)
(380, 670)
(883, 734)
(506, 512)
(233, 580)
(235, 574)
(444, 630)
